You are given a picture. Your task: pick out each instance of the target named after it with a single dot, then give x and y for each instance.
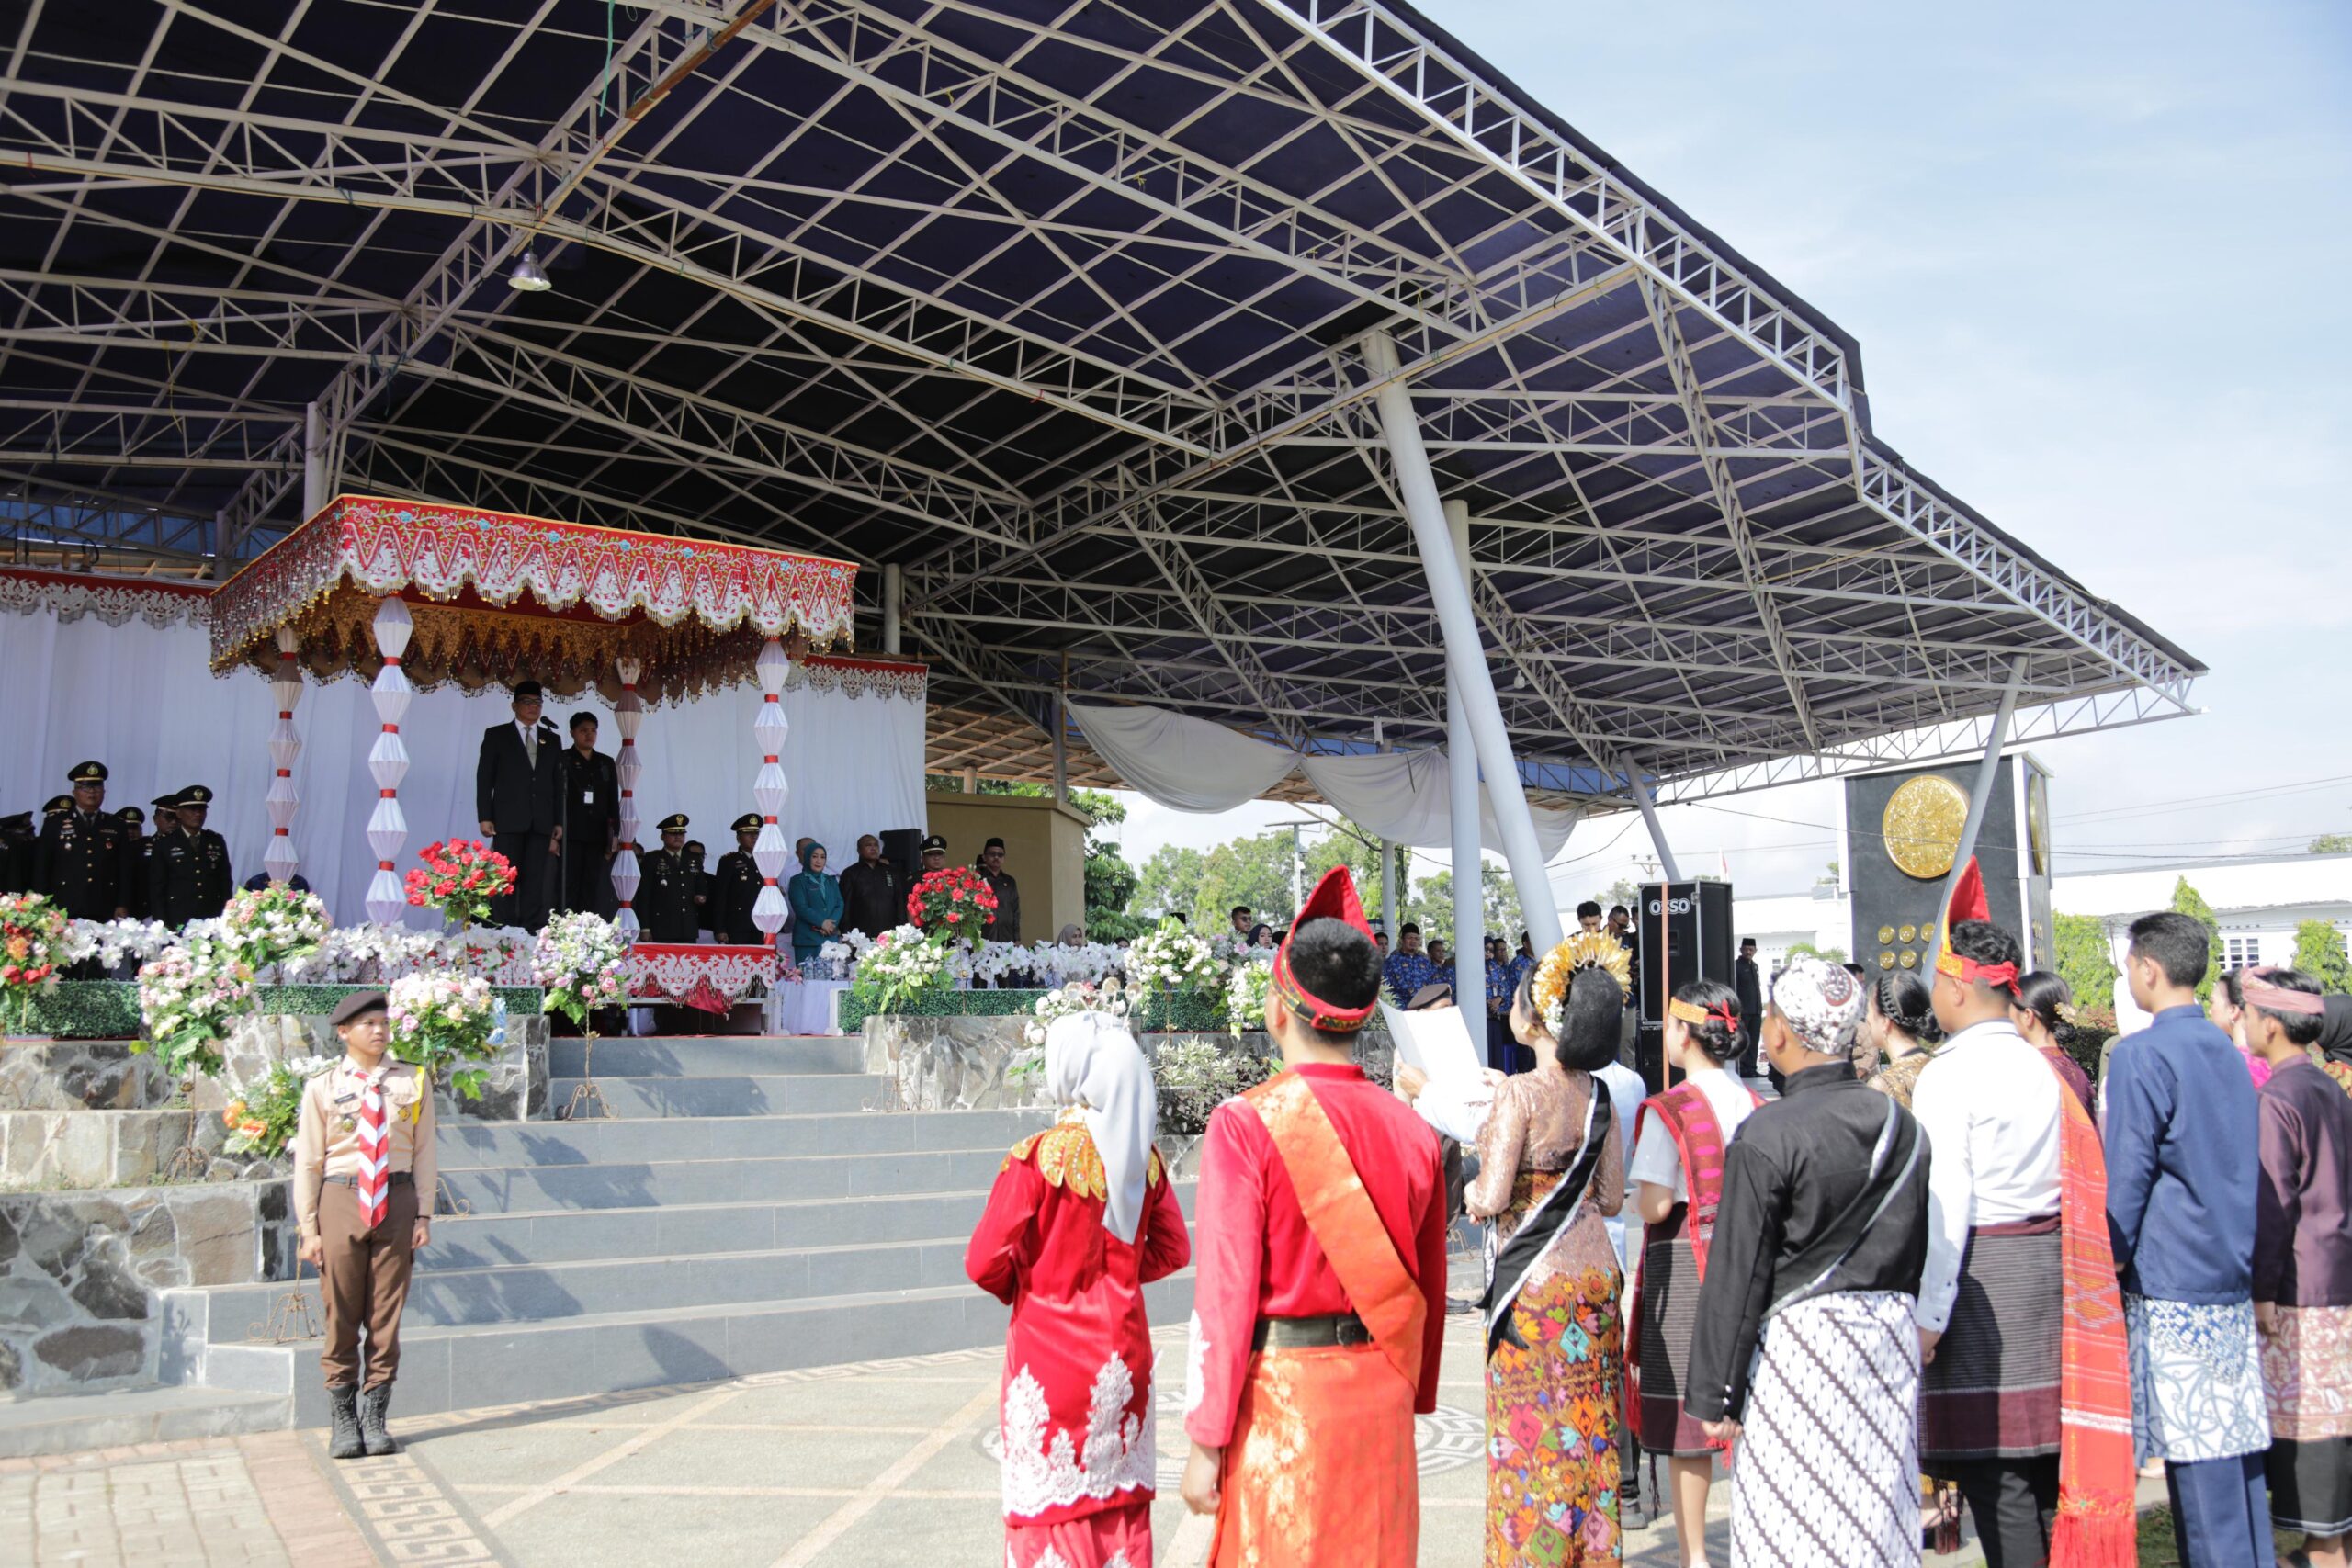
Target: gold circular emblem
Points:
(2037, 820)
(1910, 959)
(1922, 825)
(1910, 933)
(1886, 934)
(1886, 960)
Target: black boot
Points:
(345, 1442)
(372, 1407)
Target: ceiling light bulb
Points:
(528, 276)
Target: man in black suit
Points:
(518, 799)
(592, 820)
(1749, 983)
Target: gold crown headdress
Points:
(1586, 950)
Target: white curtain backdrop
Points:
(142, 699)
(1191, 764)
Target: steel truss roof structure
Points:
(1055, 305)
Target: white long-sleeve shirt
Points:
(1989, 1105)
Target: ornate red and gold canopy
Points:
(498, 598)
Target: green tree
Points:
(2318, 952)
(1826, 954)
(2332, 844)
(1169, 883)
(1625, 891)
(1255, 871)
(2079, 946)
(2187, 900)
(1498, 907)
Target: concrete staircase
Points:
(742, 1212)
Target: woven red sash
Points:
(2097, 1523)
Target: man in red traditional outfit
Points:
(1320, 1301)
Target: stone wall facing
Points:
(516, 1089)
(79, 1075)
(78, 1273)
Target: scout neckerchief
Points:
(1345, 1224)
(1509, 1267)
(1689, 1117)
(372, 1182)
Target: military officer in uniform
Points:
(84, 862)
(17, 852)
(935, 855)
(737, 886)
(190, 880)
(665, 903)
(697, 859)
(138, 858)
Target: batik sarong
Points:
(1669, 1308)
(1826, 1471)
(1992, 1390)
(1115, 1537)
(2195, 1380)
(1552, 1406)
(2307, 1380)
(1320, 1469)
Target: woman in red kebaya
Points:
(1081, 1218)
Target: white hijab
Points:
(1092, 1062)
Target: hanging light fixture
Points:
(528, 276)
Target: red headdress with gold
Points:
(1969, 903)
(1334, 899)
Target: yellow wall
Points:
(1045, 848)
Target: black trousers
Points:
(2015, 1501)
(534, 875)
(587, 879)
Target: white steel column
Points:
(1987, 771)
(1640, 785)
(1465, 651)
(1462, 783)
(317, 490)
(894, 606)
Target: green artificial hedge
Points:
(1204, 1014)
(109, 1009)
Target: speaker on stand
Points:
(1685, 934)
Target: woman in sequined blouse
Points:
(1553, 1381)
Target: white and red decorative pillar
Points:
(387, 830)
(770, 791)
(628, 714)
(285, 744)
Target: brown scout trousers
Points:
(365, 1282)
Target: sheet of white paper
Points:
(1437, 1041)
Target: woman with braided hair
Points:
(2044, 1013)
(1902, 1018)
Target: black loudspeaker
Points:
(902, 847)
(1682, 932)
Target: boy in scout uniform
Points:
(667, 906)
(82, 864)
(189, 877)
(736, 888)
(364, 1178)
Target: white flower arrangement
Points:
(1090, 961)
(443, 1022)
(189, 997)
(270, 925)
(1246, 992)
(903, 964)
(580, 962)
(1173, 958)
(359, 954)
(1078, 996)
(113, 942)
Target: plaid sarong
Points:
(1992, 1390)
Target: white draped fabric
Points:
(1191, 764)
(143, 699)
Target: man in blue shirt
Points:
(2183, 1161)
(1409, 968)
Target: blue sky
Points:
(2099, 260)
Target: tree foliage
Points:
(2332, 844)
(2187, 900)
(2318, 952)
(1498, 906)
(2079, 948)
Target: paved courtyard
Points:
(880, 1463)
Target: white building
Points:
(2258, 903)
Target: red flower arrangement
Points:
(460, 878)
(957, 900)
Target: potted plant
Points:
(579, 965)
(459, 879)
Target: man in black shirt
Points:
(735, 887)
(592, 821)
(1005, 924)
(1817, 1252)
(874, 896)
(17, 852)
(1748, 981)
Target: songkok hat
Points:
(87, 773)
(934, 843)
(1822, 1001)
(131, 815)
(57, 805)
(352, 1005)
(195, 795)
(992, 844)
(673, 823)
(747, 823)
(526, 689)
(1334, 899)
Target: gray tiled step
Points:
(569, 1235)
(660, 1183)
(76, 1422)
(801, 1094)
(457, 1369)
(544, 1144)
(719, 1056)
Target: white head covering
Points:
(1092, 1060)
(1823, 1003)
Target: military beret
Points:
(748, 823)
(934, 843)
(673, 823)
(57, 805)
(352, 1005)
(583, 716)
(87, 773)
(527, 690)
(131, 815)
(195, 795)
